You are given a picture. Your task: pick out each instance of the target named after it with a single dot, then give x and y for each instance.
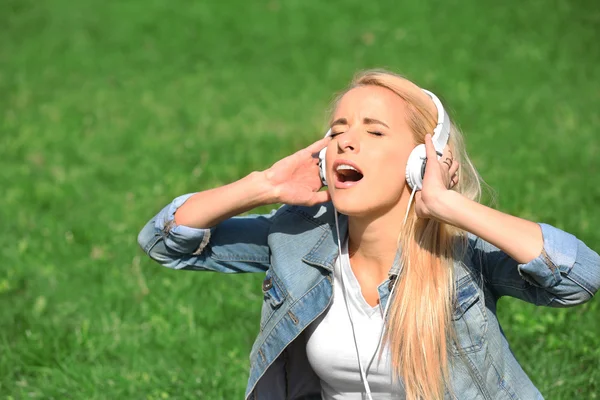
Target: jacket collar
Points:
(396, 267)
(325, 250)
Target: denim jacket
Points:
(296, 248)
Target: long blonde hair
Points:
(419, 325)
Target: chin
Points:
(355, 205)
(364, 203)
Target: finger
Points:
(454, 180)
(454, 168)
(318, 145)
(447, 152)
(447, 155)
(320, 197)
(430, 148)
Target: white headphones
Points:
(415, 166)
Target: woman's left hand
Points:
(440, 176)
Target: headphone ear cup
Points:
(323, 166)
(415, 167)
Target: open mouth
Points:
(347, 173)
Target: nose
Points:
(348, 142)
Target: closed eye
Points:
(374, 133)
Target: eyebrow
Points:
(366, 121)
(372, 121)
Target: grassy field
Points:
(109, 109)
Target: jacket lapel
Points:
(324, 252)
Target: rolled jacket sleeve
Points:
(238, 244)
(180, 238)
(566, 273)
(557, 258)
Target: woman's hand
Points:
(295, 179)
(440, 176)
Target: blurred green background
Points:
(109, 109)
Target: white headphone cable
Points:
(387, 306)
(412, 196)
(363, 373)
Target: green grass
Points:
(109, 109)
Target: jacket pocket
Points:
(273, 297)
(469, 319)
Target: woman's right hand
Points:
(295, 179)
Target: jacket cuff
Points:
(556, 259)
(180, 238)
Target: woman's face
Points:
(366, 158)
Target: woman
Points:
(327, 329)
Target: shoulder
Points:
(467, 257)
(465, 245)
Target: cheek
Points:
(389, 180)
(392, 166)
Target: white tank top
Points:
(331, 349)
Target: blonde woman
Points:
(402, 302)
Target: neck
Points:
(373, 238)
